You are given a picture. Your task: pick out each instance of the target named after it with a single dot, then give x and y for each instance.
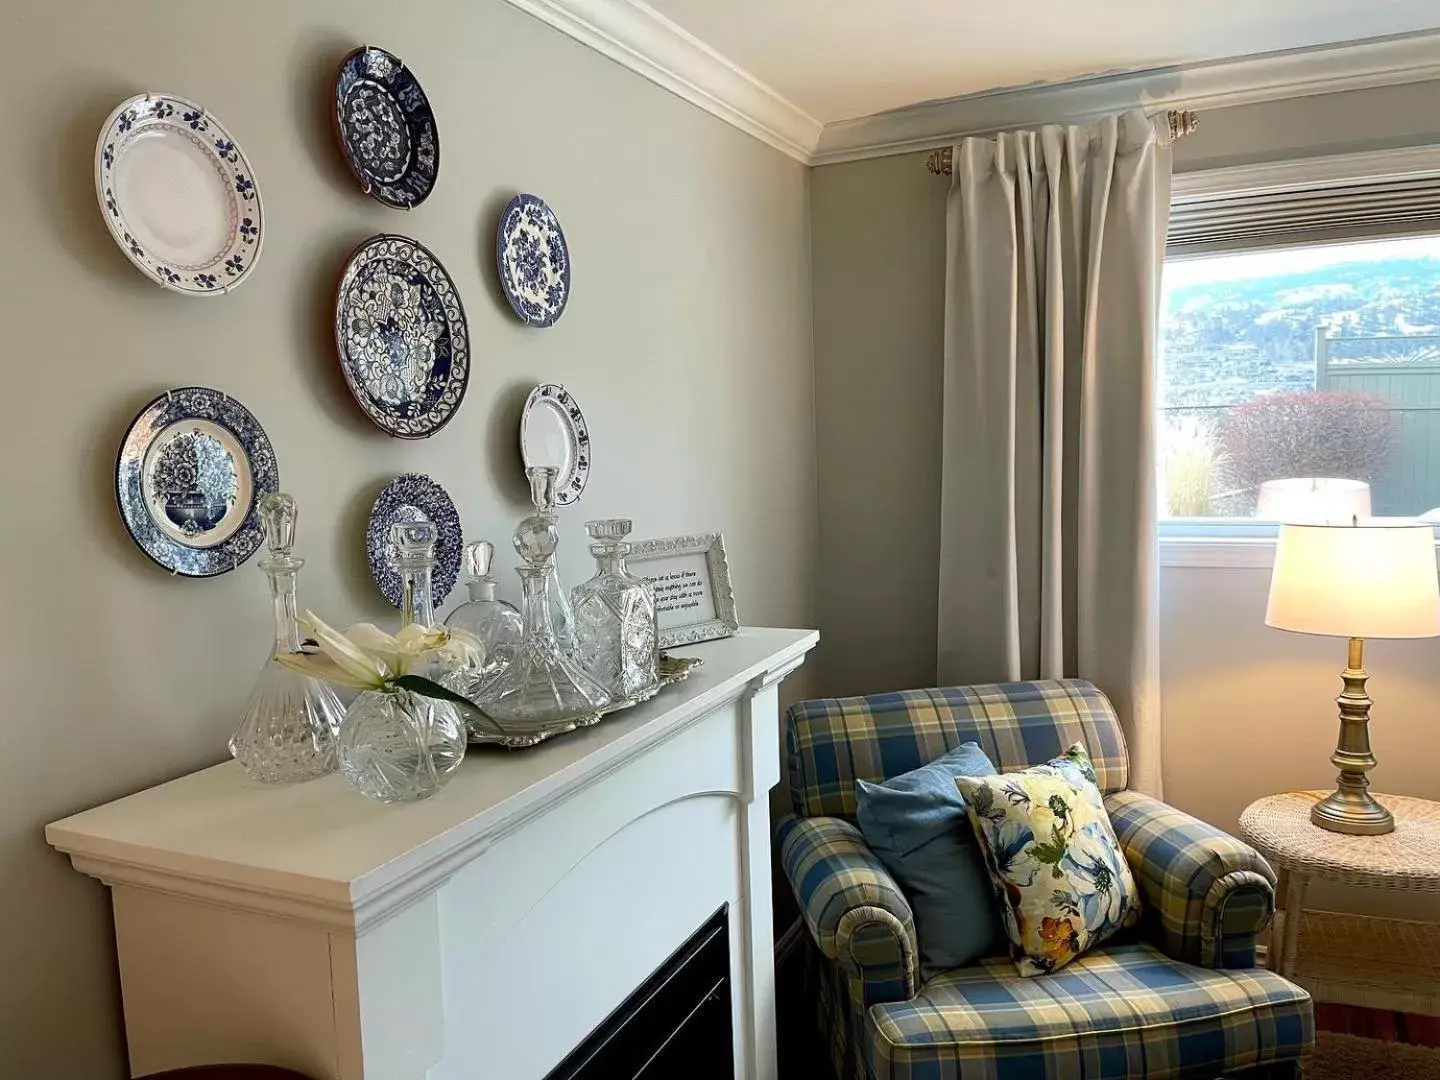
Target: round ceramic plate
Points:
(413, 497)
(192, 469)
(404, 344)
(553, 432)
(386, 128)
(534, 260)
(178, 194)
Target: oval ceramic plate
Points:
(533, 260)
(413, 497)
(192, 469)
(178, 194)
(553, 432)
(386, 128)
(404, 344)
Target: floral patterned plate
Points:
(386, 128)
(414, 497)
(404, 344)
(178, 194)
(192, 469)
(553, 432)
(534, 260)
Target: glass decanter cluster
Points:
(395, 745)
(542, 690)
(495, 623)
(615, 637)
(289, 727)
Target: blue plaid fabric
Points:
(1121, 1011)
(832, 742)
(1207, 895)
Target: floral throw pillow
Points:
(1053, 859)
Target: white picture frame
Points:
(694, 600)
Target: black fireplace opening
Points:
(677, 1023)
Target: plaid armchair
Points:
(1181, 999)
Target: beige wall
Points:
(1247, 709)
(687, 340)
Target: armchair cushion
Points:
(854, 909)
(916, 824)
(1207, 894)
(1121, 1011)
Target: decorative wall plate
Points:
(553, 432)
(178, 194)
(191, 471)
(413, 497)
(386, 128)
(403, 340)
(534, 260)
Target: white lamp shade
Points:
(1376, 579)
(1323, 500)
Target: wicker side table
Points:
(1352, 959)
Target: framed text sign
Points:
(691, 579)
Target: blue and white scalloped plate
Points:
(191, 471)
(534, 260)
(178, 194)
(414, 497)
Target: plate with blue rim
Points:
(533, 260)
(178, 194)
(403, 340)
(191, 472)
(386, 128)
(414, 497)
(553, 432)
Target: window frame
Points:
(1247, 543)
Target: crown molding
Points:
(1211, 85)
(637, 37)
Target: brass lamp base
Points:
(1351, 808)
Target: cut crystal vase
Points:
(288, 730)
(615, 618)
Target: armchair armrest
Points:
(1208, 894)
(854, 910)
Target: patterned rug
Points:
(1350, 1057)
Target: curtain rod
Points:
(1182, 122)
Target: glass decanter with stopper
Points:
(542, 497)
(542, 691)
(615, 618)
(289, 727)
(497, 624)
(395, 745)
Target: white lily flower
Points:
(376, 643)
(340, 661)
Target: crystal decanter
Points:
(615, 618)
(397, 746)
(289, 727)
(542, 497)
(497, 624)
(542, 690)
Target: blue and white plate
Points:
(553, 432)
(191, 471)
(386, 128)
(414, 497)
(404, 343)
(534, 260)
(178, 194)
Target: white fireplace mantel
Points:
(480, 933)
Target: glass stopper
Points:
(277, 516)
(542, 485)
(610, 529)
(536, 540)
(414, 542)
(478, 557)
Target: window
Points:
(1300, 339)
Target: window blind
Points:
(1301, 215)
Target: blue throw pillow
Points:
(916, 824)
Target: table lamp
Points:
(1371, 578)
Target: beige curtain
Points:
(1047, 549)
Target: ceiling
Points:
(838, 59)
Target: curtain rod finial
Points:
(941, 162)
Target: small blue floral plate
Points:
(414, 497)
(191, 471)
(178, 194)
(403, 339)
(386, 128)
(534, 260)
